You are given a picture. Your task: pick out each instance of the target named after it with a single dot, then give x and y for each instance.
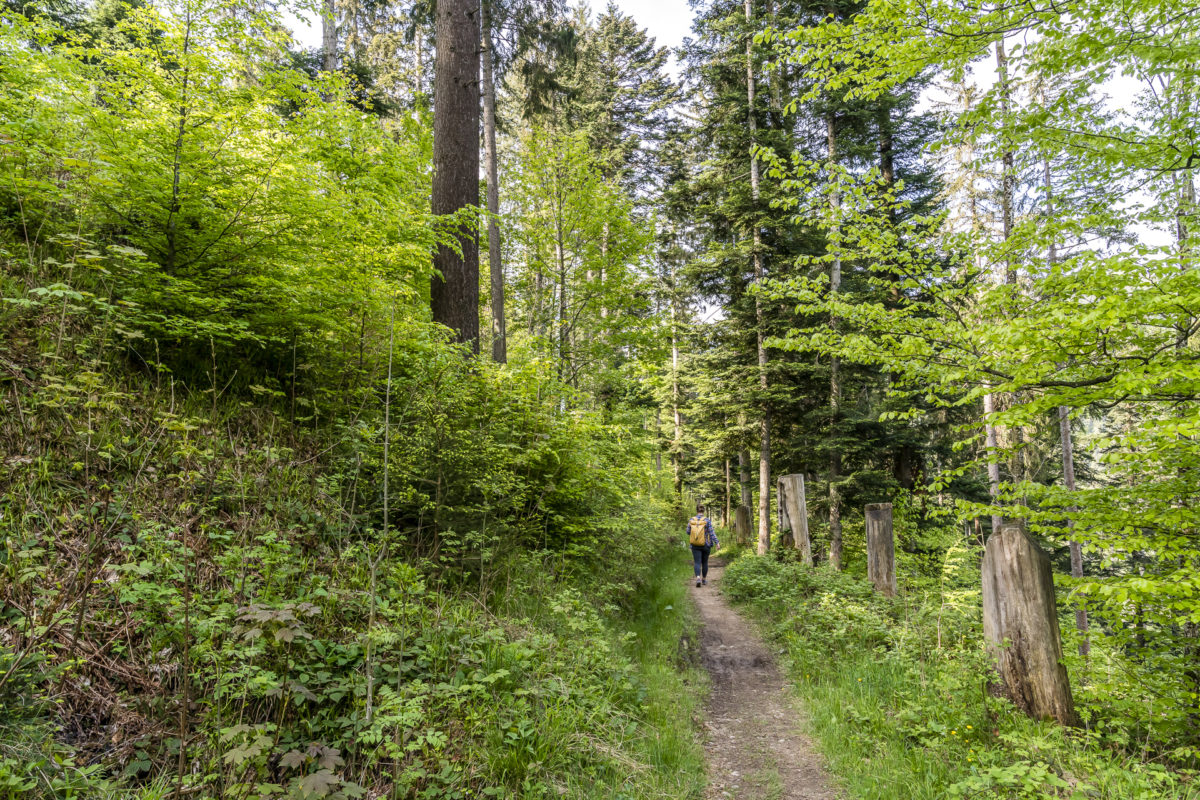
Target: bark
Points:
(742, 525)
(604, 237)
(991, 435)
(793, 514)
(1068, 445)
(1068, 456)
(744, 476)
(539, 289)
(454, 294)
(993, 466)
(560, 259)
(887, 155)
(1008, 178)
(495, 267)
(1020, 626)
(658, 452)
(677, 441)
(328, 36)
(419, 49)
(1186, 208)
(764, 453)
(881, 549)
(728, 494)
(835, 378)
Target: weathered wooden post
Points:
(1020, 625)
(742, 525)
(881, 549)
(793, 514)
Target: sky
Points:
(668, 21)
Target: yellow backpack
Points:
(697, 530)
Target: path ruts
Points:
(755, 751)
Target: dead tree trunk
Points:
(741, 525)
(793, 514)
(1020, 626)
(881, 549)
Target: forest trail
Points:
(755, 750)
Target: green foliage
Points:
(1069, 289)
(247, 570)
(266, 534)
(181, 204)
(897, 694)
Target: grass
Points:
(664, 645)
(889, 706)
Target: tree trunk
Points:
(419, 51)
(677, 440)
(1185, 208)
(993, 466)
(495, 267)
(1020, 625)
(1068, 456)
(742, 525)
(1067, 443)
(328, 36)
(536, 318)
(764, 453)
(1008, 177)
(454, 294)
(835, 378)
(605, 234)
(881, 549)
(728, 494)
(744, 476)
(793, 514)
(560, 255)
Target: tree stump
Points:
(741, 525)
(1020, 625)
(881, 549)
(793, 514)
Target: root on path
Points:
(754, 749)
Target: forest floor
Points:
(754, 748)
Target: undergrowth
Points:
(897, 692)
(211, 593)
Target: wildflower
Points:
(954, 733)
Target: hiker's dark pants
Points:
(700, 560)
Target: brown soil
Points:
(755, 750)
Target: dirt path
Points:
(755, 751)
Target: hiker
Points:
(703, 539)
